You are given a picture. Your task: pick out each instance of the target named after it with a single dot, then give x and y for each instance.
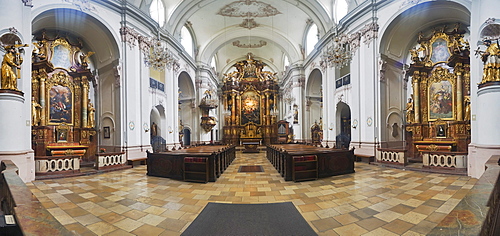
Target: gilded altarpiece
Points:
(437, 119)
(63, 122)
(250, 97)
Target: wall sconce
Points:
(145, 126)
(331, 126)
(354, 124)
(170, 130)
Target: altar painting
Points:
(440, 52)
(441, 100)
(250, 108)
(61, 57)
(61, 105)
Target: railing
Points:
(457, 160)
(478, 213)
(105, 160)
(391, 156)
(30, 217)
(53, 164)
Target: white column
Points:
(485, 109)
(15, 109)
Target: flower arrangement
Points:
(102, 150)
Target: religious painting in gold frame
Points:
(60, 105)
(60, 97)
(441, 96)
(250, 108)
(439, 49)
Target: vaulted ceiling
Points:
(230, 29)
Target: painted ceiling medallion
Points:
(248, 8)
(256, 45)
(248, 23)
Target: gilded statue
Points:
(11, 65)
(491, 59)
(466, 107)
(91, 115)
(40, 52)
(35, 112)
(410, 112)
(84, 58)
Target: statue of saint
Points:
(154, 129)
(35, 112)
(467, 108)
(491, 59)
(410, 112)
(91, 115)
(10, 64)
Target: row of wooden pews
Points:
(299, 162)
(198, 164)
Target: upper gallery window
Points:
(187, 40)
(157, 11)
(340, 10)
(312, 38)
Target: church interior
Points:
(132, 117)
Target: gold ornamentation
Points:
(432, 147)
(11, 66)
(441, 95)
(418, 130)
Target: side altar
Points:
(63, 117)
(438, 111)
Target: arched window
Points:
(286, 62)
(213, 63)
(187, 40)
(157, 11)
(312, 38)
(340, 10)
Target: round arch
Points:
(314, 112)
(401, 31)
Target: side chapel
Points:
(63, 116)
(438, 111)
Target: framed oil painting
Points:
(440, 51)
(60, 105)
(106, 132)
(250, 108)
(441, 102)
(62, 135)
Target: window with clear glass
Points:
(340, 10)
(312, 38)
(157, 11)
(187, 40)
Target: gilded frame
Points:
(62, 132)
(439, 48)
(60, 97)
(250, 107)
(441, 93)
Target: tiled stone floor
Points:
(373, 201)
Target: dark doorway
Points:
(187, 137)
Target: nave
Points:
(372, 201)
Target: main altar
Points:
(250, 97)
(438, 111)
